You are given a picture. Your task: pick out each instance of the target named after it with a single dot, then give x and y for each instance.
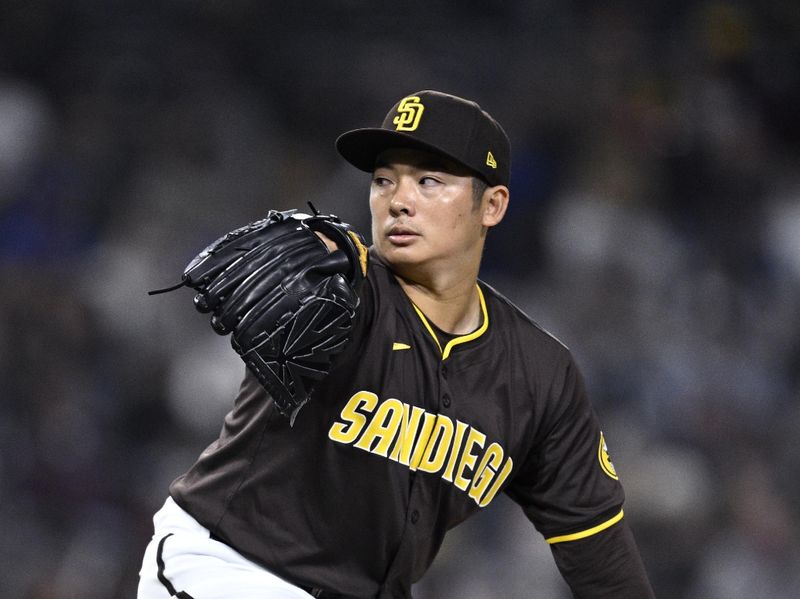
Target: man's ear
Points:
(495, 203)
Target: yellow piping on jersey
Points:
(464, 338)
(588, 532)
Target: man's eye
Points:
(427, 181)
(380, 181)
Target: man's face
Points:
(423, 212)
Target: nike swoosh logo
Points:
(396, 346)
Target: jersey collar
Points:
(463, 338)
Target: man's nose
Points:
(403, 199)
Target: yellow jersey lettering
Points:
(408, 430)
(422, 440)
(485, 472)
(347, 433)
(383, 426)
(468, 458)
(440, 442)
(498, 482)
(451, 463)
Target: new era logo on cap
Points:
(439, 122)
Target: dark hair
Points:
(478, 187)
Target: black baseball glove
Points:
(287, 300)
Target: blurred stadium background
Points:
(654, 228)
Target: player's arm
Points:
(606, 565)
(569, 488)
(329, 243)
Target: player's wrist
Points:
(332, 247)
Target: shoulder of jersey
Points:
(527, 322)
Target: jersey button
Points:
(414, 517)
(446, 401)
(444, 371)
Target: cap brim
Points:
(360, 147)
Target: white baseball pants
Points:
(183, 561)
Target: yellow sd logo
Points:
(409, 112)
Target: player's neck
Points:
(452, 305)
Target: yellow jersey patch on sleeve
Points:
(605, 459)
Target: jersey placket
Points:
(418, 522)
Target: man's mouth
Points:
(401, 235)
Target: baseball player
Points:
(389, 394)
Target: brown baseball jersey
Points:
(411, 433)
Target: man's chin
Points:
(399, 255)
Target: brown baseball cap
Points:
(438, 122)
